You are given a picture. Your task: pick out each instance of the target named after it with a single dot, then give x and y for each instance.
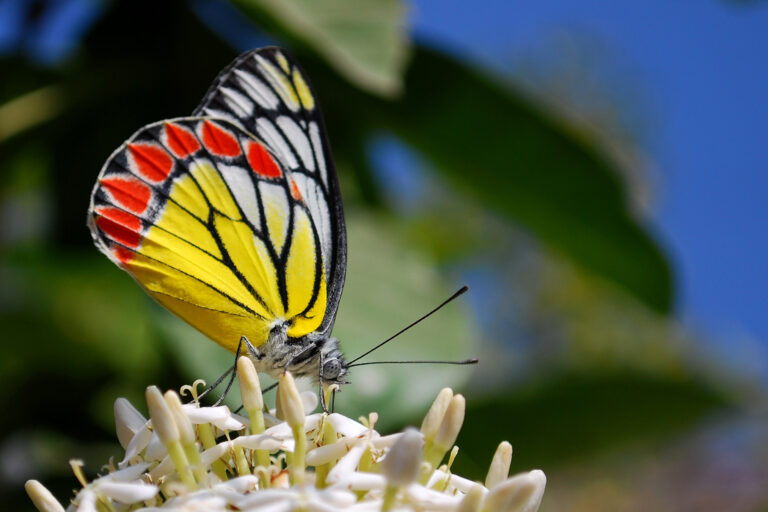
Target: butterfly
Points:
(232, 218)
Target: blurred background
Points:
(596, 172)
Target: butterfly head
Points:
(333, 367)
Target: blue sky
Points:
(704, 67)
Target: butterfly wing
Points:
(212, 224)
(265, 93)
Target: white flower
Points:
(190, 458)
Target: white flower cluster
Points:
(187, 458)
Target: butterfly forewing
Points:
(265, 93)
(214, 225)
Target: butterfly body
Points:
(315, 355)
(232, 218)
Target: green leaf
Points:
(388, 286)
(525, 163)
(365, 40)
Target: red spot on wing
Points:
(181, 141)
(261, 161)
(122, 254)
(295, 192)
(130, 193)
(151, 161)
(219, 141)
(120, 226)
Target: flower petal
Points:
(346, 426)
(360, 481)
(86, 501)
(330, 452)
(128, 421)
(346, 464)
(139, 441)
(127, 492)
(156, 450)
(258, 442)
(127, 474)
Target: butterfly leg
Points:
(231, 371)
(252, 351)
(215, 384)
(321, 391)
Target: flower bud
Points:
(451, 425)
(186, 431)
(472, 500)
(250, 387)
(165, 426)
(42, 497)
(403, 461)
(162, 418)
(434, 416)
(520, 493)
(290, 400)
(499, 470)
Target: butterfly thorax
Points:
(314, 355)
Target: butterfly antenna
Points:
(473, 360)
(460, 292)
(232, 372)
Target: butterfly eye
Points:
(331, 369)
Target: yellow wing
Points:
(215, 228)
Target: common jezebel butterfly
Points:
(232, 218)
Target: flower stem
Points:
(205, 433)
(328, 437)
(390, 497)
(240, 462)
(181, 463)
(299, 453)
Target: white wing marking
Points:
(317, 149)
(240, 184)
(239, 104)
(257, 90)
(279, 83)
(296, 136)
(318, 208)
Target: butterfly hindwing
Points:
(211, 222)
(266, 93)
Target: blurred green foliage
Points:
(564, 418)
(364, 40)
(518, 191)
